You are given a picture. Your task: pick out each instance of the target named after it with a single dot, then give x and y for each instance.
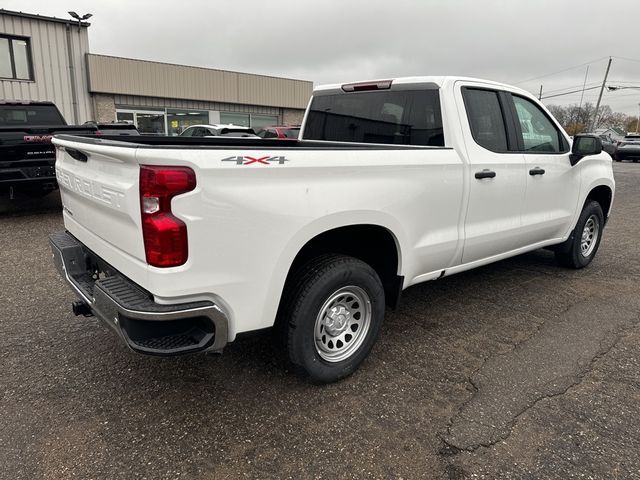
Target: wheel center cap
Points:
(337, 320)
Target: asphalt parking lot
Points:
(516, 370)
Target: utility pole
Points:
(595, 117)
(584, 86)
(540, 94)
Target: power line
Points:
(578, 66)
(561, 71)
(627, 59)
(569, 93)
(559, 90)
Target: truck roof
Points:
(436, 81)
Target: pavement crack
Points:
(488, 417)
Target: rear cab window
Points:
(401, 117)
(27, 115)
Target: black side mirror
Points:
(584, 145)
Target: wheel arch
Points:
(377, 240)
(373, 244)
(603, 194)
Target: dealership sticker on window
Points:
(249, 160)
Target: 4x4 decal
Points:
(247, 160)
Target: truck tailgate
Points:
(100, 197)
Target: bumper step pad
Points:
(145, 326)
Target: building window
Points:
(248, 120)
(179, 120)
(258, 121)
(15, 58)
(239, 119)
(148, 122)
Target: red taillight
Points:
(165, 236)
(362, 87)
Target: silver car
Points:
(628, 148)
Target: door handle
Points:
(486, 173)
(536, 171)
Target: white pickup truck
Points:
(180, 244)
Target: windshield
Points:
(19, 115)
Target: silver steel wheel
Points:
(589, 236)
(342, 324)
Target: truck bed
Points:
(224, 143)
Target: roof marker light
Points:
(364, 86)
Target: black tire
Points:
(308, 291)
(570, 253)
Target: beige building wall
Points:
(292, 117)
(50, 61)
(141, 78)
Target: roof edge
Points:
(44, 18)
(198, 67)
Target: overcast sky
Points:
(333, 41)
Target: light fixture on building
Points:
(86, 16)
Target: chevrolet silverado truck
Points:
(27, 156)
(182, 244)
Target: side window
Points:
(486, 119)
(188, 132)
(539, 134)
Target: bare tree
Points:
(575, 119)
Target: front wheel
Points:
(331, 315)
(582, 245)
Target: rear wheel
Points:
(330, 317)
(582, 245)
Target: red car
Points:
(287, 132)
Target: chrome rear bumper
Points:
(144, 325)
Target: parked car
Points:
(288, 132)
(393, 183)
(27, 156)
(218, 130)
(628, 148)
(608, 144)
